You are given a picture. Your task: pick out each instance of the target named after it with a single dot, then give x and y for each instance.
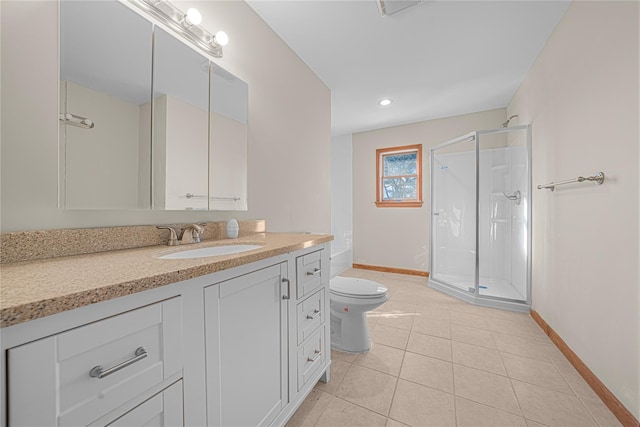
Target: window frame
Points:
(408, 203)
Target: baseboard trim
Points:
(391, 270)
(622, 414)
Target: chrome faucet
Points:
(173, 238)
(191, 234)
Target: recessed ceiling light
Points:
(385, 102)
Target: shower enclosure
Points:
(481, 217)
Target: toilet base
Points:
(350, 332)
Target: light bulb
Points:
(193, 17)
(221, 38)
(385, 102)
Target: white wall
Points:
(581, 97)
(289, 125)
(399, 237)
(341, 192)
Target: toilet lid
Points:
(350, 286)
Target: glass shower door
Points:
(453, 209)
(503, 194)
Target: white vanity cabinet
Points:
(246, 337)
(311, 311)
(96, 371)
(238, 347)
(266, 340)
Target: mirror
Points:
(228, 141)
(131, 137)
(180, 125)
(105, 119)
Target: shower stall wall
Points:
(480, 217)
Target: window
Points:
(399, 176)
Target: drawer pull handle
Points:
(288, 295)
(316, 354)
(100, 372)
(314, 272)
(315, 314)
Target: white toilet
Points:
(350, 300)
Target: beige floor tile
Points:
(394, 423)
(396, 319)
(477, 310)
(397, 307)
(599, 411)
(436, 327)
(475, 336)
(535, 329)
(579, 386)
(392, 337)
(524, 346)
(510, 327)
(432, 312)
(339, 369)
(468, 320)
(472, 414)
(368, 388)
(382, 358)
(428, 345)
(420, 406)
(534, 424)
(311, 409)
(505, 314)
(486, 388)
(372, 319)
(434, 373)
(551, 408)
(342, 413)
(537, 372)
(341, 355)
(406, 297)
(481, 358)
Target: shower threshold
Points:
(493, 293)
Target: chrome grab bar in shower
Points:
(597, 178)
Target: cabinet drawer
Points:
(162, 410)
(311, 356)
(309, 273)
(56, 380)
(310, 315)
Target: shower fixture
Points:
(516, 196)
(505, 124)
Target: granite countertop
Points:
(33, 289)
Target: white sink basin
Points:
(210, 251)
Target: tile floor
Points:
(437, 361)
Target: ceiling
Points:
(436, 59)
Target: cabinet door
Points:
(251, 349)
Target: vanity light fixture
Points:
(185, 24)
(219, 39)
(193, 17)
(385, 102)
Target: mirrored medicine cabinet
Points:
(146, 120)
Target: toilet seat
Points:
(356, 288)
